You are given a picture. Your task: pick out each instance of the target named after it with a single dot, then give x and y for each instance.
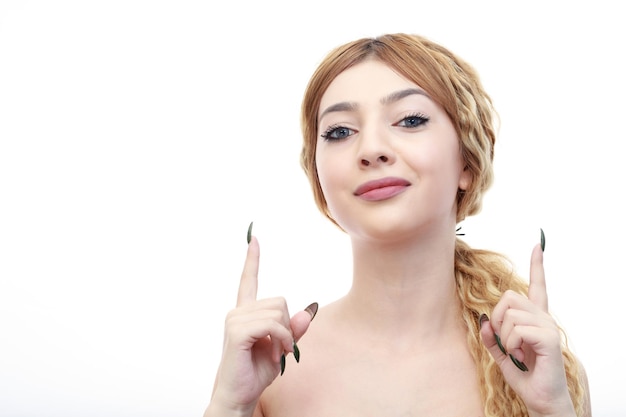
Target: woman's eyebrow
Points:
(399, 95)
(343, 106)
(391, 98)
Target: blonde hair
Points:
(481, 276)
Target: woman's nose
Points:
(375, 149)
(380, 159)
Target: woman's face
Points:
(388, 157)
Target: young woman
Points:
(398, 147)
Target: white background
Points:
(138, 139)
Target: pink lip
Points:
(381, 189)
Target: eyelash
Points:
(422, 119)
(334, 128)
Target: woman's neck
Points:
(405, 286)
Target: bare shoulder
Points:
(306, 386)
(351, 373)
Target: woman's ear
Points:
(465, 179)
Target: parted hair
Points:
(481, 276)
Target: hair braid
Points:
(482, 277)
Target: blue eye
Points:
(413, 121)
(337, 133)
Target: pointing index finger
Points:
(249, 276)
(537, 292)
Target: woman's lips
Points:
(381, 189)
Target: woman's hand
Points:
(257, 334)
(530, 336)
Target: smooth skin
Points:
(257, 333)
(531, 335)
(395, 344)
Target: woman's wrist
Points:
(220, 406)
(217, 409)
(564, 409)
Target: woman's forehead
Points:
(368, 81)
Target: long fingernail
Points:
(499, 342)
(296, 352)
(250, 232)
(483, 318)
(282, 363)
(312, 310)
(521, 365)
(543, 241)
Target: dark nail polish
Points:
(296, 352)
(499, 342)
(312, 310)
(250, 232)
(543, 241)
(483, 318)
(282, 364)
(521, 365)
